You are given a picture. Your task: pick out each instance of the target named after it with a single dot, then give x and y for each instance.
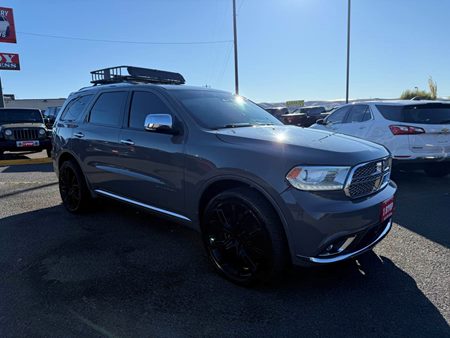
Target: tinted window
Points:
(339, 115)
(20, 115)
(432, 113)
(359, 113)
(74, 108)
(108, 109)
(215, 109)
(316, 111)
(145, 103)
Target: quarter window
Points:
(145, 103)
(108, 109)
(75, 108)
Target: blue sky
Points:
(288, 49)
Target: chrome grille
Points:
(368, 178)
(26, 134)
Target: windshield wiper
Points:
(236, 125)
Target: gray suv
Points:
(262, 194)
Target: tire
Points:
(49, 152)
(244, 238)
(437, 170)
(72, 187)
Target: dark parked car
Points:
(305, 117)
(50, 116)
(262, 194)
(23, 130)
(278, 112)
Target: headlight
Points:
(318, 178)
(8, 132)
(41, 131)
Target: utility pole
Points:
(348, 50)
(236, 73)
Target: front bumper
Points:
(316, 221)
(11, 145)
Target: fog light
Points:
(8, 132)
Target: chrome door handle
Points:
(127, 142)
(79, 135)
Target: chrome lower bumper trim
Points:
(150, 207)
(343, 257)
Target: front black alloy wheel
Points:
(244, 238)
(72, 187)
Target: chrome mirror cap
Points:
(158, 122)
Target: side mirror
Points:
(159, 123)
(321, 122)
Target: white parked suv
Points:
(417, 133)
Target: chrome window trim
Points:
(349, 180)
(147, 206)
(350, 254)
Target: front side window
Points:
(216, 109)
(108, 109)
(339, 115)
(74, 109)
(145, 103)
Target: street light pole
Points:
(348, 50)
(236, 73)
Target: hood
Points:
(313, 146)
(22, 125)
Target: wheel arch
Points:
(222, 184)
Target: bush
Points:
(410, 93)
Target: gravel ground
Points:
(121, 272)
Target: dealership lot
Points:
(122, 272)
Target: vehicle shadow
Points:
(122, 272)
(422, 205)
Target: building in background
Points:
(42, 104)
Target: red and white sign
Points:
(9, 61)
(387, 209)
(7, 26)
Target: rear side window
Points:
(108, 109)
(430, 113)
(339, 115)
(359, 113)
(145, 103)
(75, 108)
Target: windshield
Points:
(215, 110)
(432, 113)
(20, 116)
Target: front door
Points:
(154, 161)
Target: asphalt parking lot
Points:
(121, 272)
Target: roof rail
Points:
(135, 74)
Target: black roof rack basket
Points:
(135, 74)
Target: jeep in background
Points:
(305, 116)
(23, 129)
(262, 194)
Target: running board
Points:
(146, 206)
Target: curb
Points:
(5, 163)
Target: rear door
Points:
(433, 118)
(96, 140)
(154, 161)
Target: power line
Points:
(128, 42)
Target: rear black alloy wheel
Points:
(72, 187)
(243, 238)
